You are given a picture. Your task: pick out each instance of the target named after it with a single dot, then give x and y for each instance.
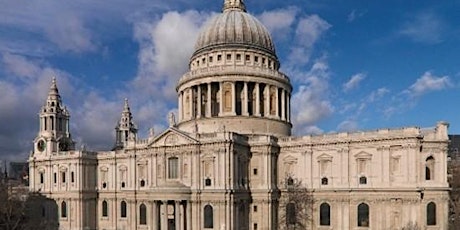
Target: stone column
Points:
(221, 98)
(233, 98)
(179, 105)
(208, 105)
(198, 101)
(164, 215)
(277, 104)
(155, 215)
(177, 215)
(188, 215)
(283, 104)
(245, 100)
(288, 114)
(267, 110)
(257, 89)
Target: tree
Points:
(21, 210)
(295, 205)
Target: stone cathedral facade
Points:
(228, 158)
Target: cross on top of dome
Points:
(234, 5)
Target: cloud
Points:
(428, 83)
(279, 22)
(354, 14)
(424, 27)
(308, 31)
(354, 82)
(311, 99)
(347, 126)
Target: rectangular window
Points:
(248, 58)
(55, 178)
(254, 208)
(210, 59)
(255, 226)
(229, 57)
(219, 57)
(173, 164)
(72, 177)
(63, 177)
(255, 171)
(238, 57)
(42, 178)
(256, 59)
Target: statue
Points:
(172, 119)
(151, 132)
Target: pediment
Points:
(172, 137)
(324, 157)
(290, 159)
(363, 155)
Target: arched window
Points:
(142, 214)
(429, 168)
(431, 214)
(208, 217)
(63, 209)
(325, 214)
(123, 209)
(290, 213)
(105, 209)
(363, 215)
(173, 167)
(290, 181)
(324, 181)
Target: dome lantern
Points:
(234, 5)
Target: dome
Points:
(235, 28)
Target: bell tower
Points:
(54, 133)
(125, 129)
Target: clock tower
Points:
(54, 134)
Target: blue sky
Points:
(354, 65)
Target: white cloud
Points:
(279, 22)
(424, 27)
(354, 82)
(347, 126)
(312, 97)
(355, 14)
(427, 83)
(308, 31)
(377, 94)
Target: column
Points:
(164, 215)
(155, 215)
(188, 215)
(277, 104)
(283, 104)
(179, 105)
(267, 109)
(198, 101)
(177, 221)
(221, 98)
(245, 100)
(257, 88)
(208, 105)
(233, 98)
(288, 114)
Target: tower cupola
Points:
(125, 129)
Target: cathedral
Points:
(228, 159)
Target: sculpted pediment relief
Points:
(363, 155)
(172, 137)
(324, 157)
(290, 159)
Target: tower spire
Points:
(234, 5)
(125, 128)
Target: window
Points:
(325, 214)
(142, 214)
(123, 184)
(431, 214)
(55, 178)
(72, 177)
(255, 226)
(255, 171)
(104, 185)
(63, 210)
(208, 217)
(255, 208)
(290, 213)
(173, 164)
(123, 209)
(105, 209)
(42, 177)
(210, 59)
(219, 57)
(142, 183)
(324, 181)
(229, 57)
(248, 58)
(238, 57)
(207, 182)
(290, 181)
(363, 180)
(63, 177)
(363, 215)
(429, 168)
